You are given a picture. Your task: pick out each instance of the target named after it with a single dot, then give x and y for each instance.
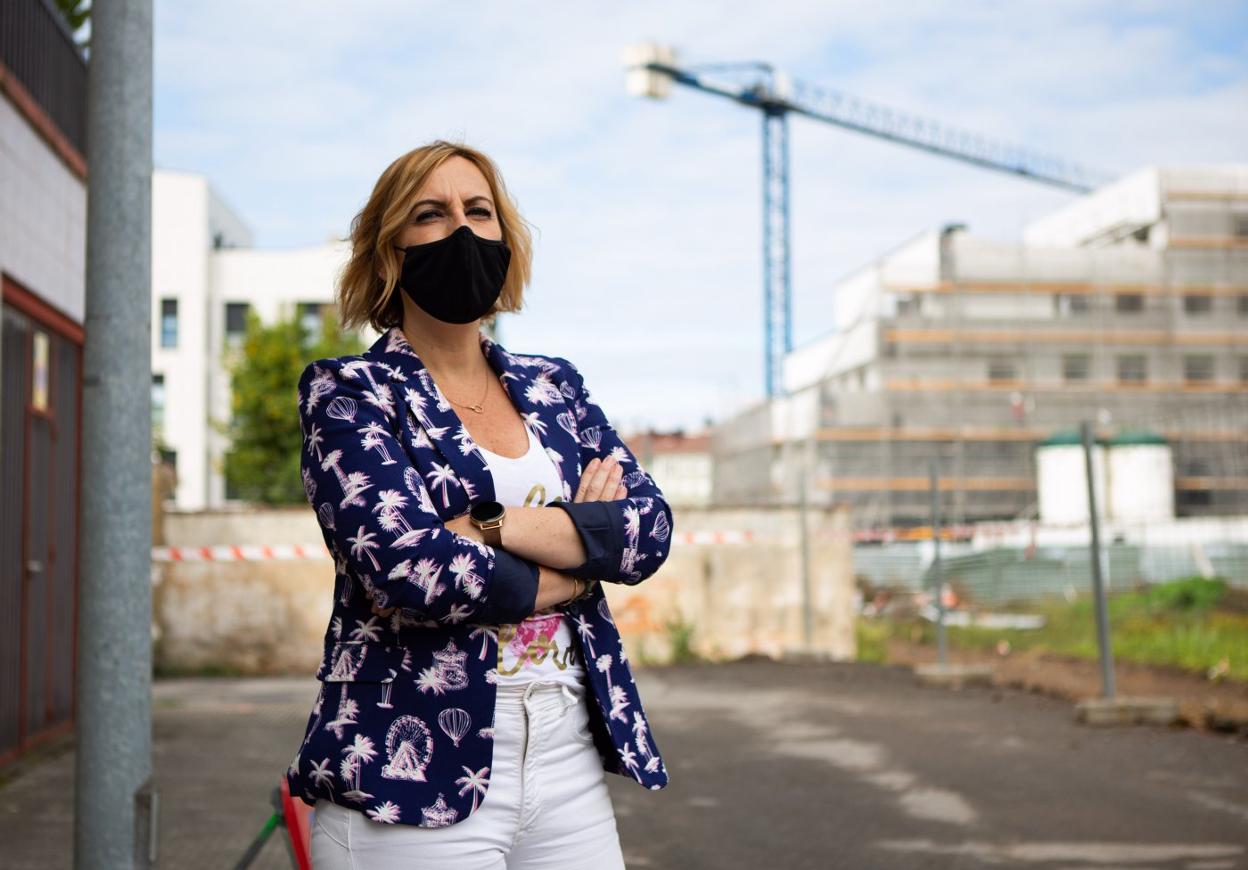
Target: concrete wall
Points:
(270, 616)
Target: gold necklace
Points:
(479, 407)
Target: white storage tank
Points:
(1061, 478)
(1141, 477)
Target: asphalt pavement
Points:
(773, 765)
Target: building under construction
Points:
(1129, 308)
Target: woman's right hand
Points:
(600, 481)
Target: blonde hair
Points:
(363, 296)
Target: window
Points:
(236, 319)
(1241, 223)
(1197, 303)
(909, 303)
(1242, 305)
(168, 323)
(1129, 303)
(1243, 369)
(1075, 366)
(1198, 368)
(1071, 304)
(1001, 368)
(1132, 368)
(158, 402)
(310, 317)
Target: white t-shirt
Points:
(541, 647)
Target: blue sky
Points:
(647, 270)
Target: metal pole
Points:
(114, 803)
(938, 582)
(1098, 581)
(769, 376)
(808, 621)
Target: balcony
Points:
(37, 49)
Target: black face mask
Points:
(455, 279)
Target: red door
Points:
(39, 438)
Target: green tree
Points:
(262, 461)
(76, 14)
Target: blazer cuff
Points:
(601, 527)
(513, 590)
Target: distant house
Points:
(680, 463)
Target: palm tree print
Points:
(640, 730)
(457, 613)
(351, 485)
(541, 391)
(619, 699)
(320, 773)
(381, 398)
(359, 753)
(534, 423)
(386, 813)
(486, 633)
(586, 631)
(390, 505)
(424, 573)
(364, 631)
(476, 782)
(372, 440)
(313, 440)
(441, 476)
(629, 758)
(432, 679)
(463, 566)
(363, 545)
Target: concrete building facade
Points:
(43, 225)
(206, 276)
(1129, 307)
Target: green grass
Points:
(1195, 624)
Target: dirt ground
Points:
(1203, 704)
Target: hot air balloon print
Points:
(455, 721)
(342, 408)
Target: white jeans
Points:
(547, 805)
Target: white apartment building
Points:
(205, 277)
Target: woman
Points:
(474, 688)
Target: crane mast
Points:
(653, 68)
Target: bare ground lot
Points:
(774, 765)
(1204, 704)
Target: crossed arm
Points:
(548, 536)
(378, 519)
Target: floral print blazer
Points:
(402, 727)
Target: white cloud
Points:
(648, 267)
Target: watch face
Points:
(486, 511)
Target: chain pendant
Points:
(478, 408)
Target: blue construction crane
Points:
(652, 69)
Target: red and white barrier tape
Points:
(259, 552)
(238, 553)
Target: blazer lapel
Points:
(459, 476)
